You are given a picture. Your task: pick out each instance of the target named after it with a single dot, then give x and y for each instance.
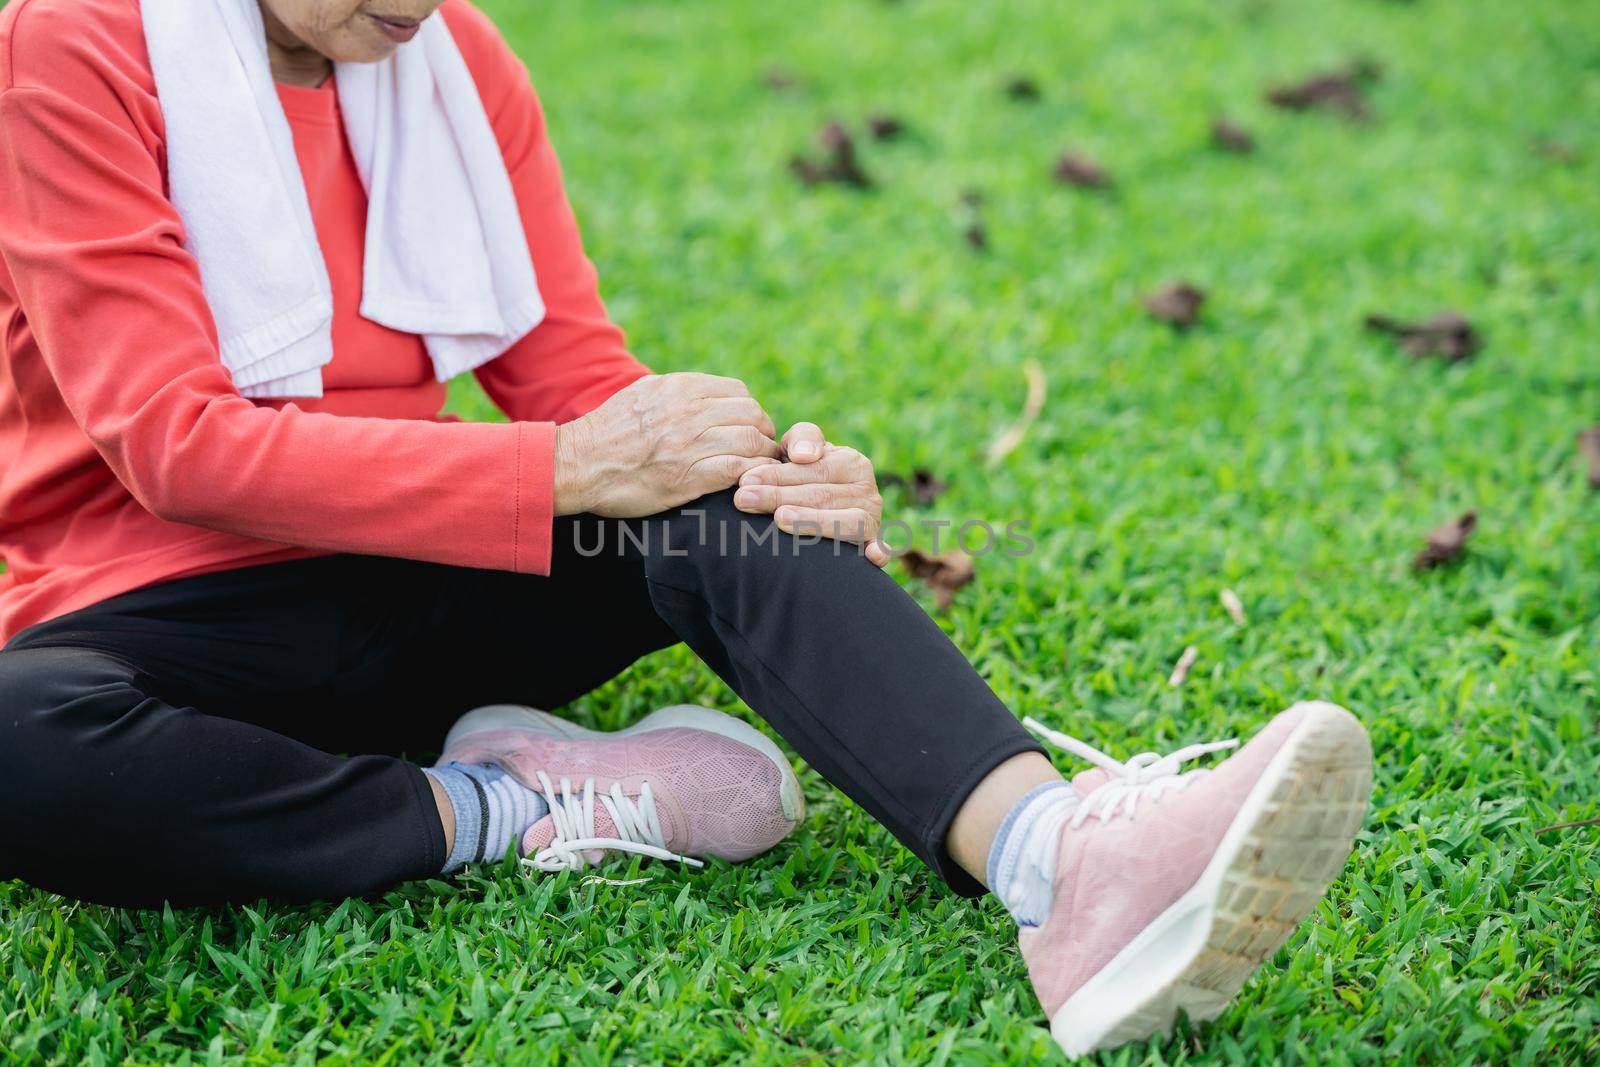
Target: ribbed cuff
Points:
(934, 850)
(466, 801)
(534, 504)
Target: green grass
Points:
(1275, 449)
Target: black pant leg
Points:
(822, 644)
(146, 756)
(368, 655)
(112, 795)
(475, 637)
(839, 659)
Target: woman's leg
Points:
(978, 820)
(109, 793)
(843, 663)
(1149, 893)
(830, 650)
(177, 743)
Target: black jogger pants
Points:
(177, 743)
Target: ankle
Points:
(972, 832)
(447, 812)
(490, 811)
(1022, 861)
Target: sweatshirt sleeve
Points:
(576, 357)
(96, 255)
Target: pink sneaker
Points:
(682, 782)
(1171, 889)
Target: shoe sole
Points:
(1289, 841)
(681, 716)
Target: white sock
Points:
(1022, 860)
(492, 809)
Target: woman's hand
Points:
(822, 489)
(661, 442)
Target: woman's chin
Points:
(371, 48)
(368, 45)
(375, 54)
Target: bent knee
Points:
(712, 536)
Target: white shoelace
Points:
(638, 826)
(1146, 775)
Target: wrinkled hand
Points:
(822, 490)
(662, 441)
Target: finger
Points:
(766, 499)
(737, 411)
(826, 470)
(734, 441)
(878, 553)
(713, 474)
(839, 524)
(713, 384)
(803, 443)
(757, 475)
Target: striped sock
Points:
(492, 809)
(1022, 860)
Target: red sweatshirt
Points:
(127, 456)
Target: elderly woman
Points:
(245, 242)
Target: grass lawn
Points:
(1276, 448)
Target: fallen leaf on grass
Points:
(838, 164)
(1030, 410)
(1180, 670)
(974, 232)
(885, 127)
(1233, 606)
(1561, 153)
(944, 574)
(1230, 138)
(1177, 303)
(1446, 542)
(1023, 89)
(1341, 91)
(780, 80)
(1075, 168)
(1447, 335)
(924, 486)
(1568, 825)
(1589, 449)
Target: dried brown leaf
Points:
(1568, 825)
(1589, 449)
(974, 232)
(1181, 669)
(1233, 606)
(1232, 138)
(1177, 303)
(1556, 150)
(885, 127)
(781, 79)
(1340, 91)
(1448, 335)
(1037, 388)
(923, 486)
(1023, 88)
(839, 163)
(944, 573)
(1075, 168)
(1446, 542)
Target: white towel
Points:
(446, 256)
